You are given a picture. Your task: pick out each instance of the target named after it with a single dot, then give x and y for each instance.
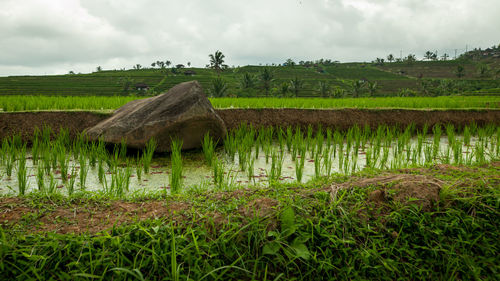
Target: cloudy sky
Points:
(56, 36)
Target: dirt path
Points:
(25, 122)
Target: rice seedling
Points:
(40, 178)
(289, 138)
(63, 162)
(10, 159)
(450, 133)
(70, 186)
(147, 154)
(250, 169)
(138, 167)
(83, 171)
(208, 148)
(52, 185)
(22, 176)
(327, 160)
(218, 173)
(123, 149)
(120, 181)
(300, 162)
(100, 170)
(437, 139)
(47, 155)
(176, 160)
(457, 152)
(317, 164)
(35, 149)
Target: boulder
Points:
(184, 112)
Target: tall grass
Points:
(148, 153)
(22, 176)
(176, 162)
(208, 147)
(29, 103)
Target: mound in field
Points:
(404, 189)
(184, 112)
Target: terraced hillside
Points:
(391, 78)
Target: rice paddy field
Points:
(269, 203)
(99, 103)
(312, 194)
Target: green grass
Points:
(339, 76)
(99, 103)
(299, 231)
(448, 102)
(307, 236)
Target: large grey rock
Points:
(183, 112)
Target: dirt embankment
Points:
(346, 118)
(24, 123)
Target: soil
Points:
(404, 189)
(87, 216)
(345, 118)
(24, 123)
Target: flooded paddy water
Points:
(248, 157)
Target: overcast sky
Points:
(56, 36)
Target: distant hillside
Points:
(390, 78)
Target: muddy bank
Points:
(24, 123)
(345, 118)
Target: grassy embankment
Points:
(307, 232)
(433, 222)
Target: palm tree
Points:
(410, 59)
(218, 87)
(126, 83)
(445, 56)
(460, 72)
(284, 89)
(189, 64)
(266, 76)
(429, 55)
(390, 58)
(168, 63)
(247, 81)
(324, 89)
(357, 88)
(372, 88)
(483, 70)
(99, 69)
(296, 85)
(217, 61)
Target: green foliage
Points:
(357, 88)
(307, 238)
(266, 77)
(460, 72)
(217, 61)
(324, 89)
(176, 161)
(219, 87)
(247, 81)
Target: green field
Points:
(433, 215)
(340, 77)
(34, 103)
(267, 203)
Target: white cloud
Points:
(55, 36)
